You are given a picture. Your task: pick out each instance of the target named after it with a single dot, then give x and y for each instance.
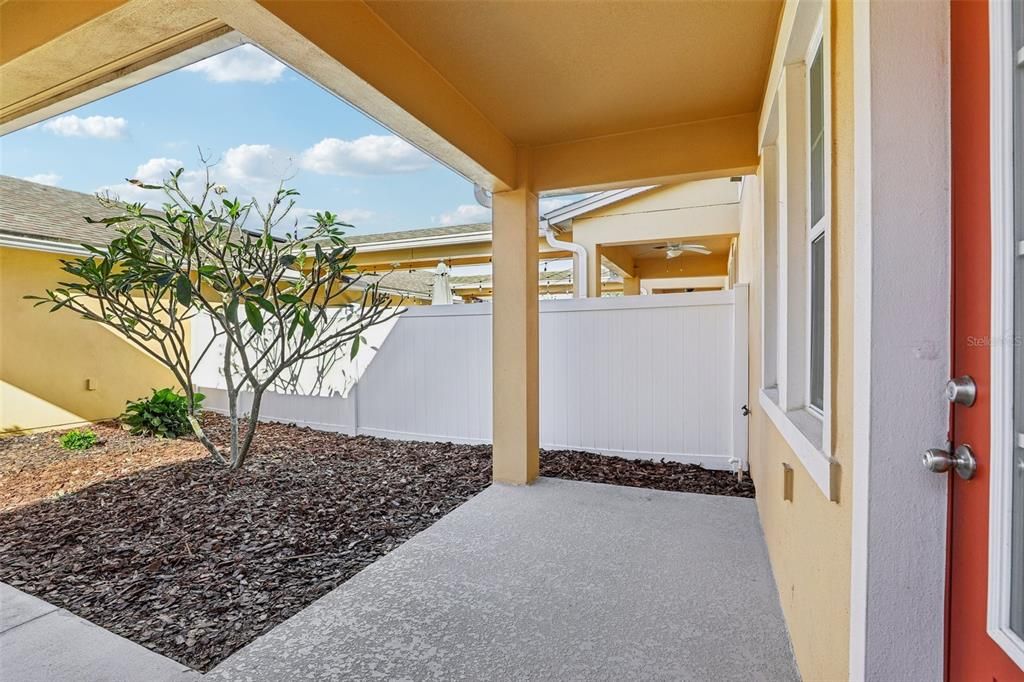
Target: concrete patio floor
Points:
(558, 580)
(40, 642)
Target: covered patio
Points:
(558, 580)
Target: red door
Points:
(972, 654)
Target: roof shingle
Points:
(28, 209)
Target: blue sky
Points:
(260, 121)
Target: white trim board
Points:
(1002, 441)
(822, 469)
(418, 242)
(13, 241)
(901, 161)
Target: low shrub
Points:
(164, 414)
(79, 439)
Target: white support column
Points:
(516, 340)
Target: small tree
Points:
(274, 300)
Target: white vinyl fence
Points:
(638, 376)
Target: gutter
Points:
(440, 240)
(15, 241)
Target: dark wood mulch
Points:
(155, 542)
(686, 478)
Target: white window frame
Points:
(770, 210)
(807, 430)
(821, 228)
(1003, 62)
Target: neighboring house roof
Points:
(53, 219)
(31, 211)
(415, 284)
(430, 236)
(424, 233)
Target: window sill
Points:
(802, 431)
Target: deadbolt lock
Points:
(962, 391)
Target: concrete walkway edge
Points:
(44, 643)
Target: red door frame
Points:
(970, 653)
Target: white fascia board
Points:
(419, 242)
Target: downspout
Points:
(580, 258)
(483, 197)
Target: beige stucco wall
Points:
(809, 538)
(700, 208)
(46, 358)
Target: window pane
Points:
(1017, 552)
(817, 134)
(817, 383)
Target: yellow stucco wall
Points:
(46, 358)
(697, 209)
(809, 538)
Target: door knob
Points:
(961, 460)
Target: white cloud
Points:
(245, 63)
(248, 170)
(475, 213)
(152, 172)
(249, 165)
(551, 203)
(103, 127)
(367, 155)
(466, 213)
(50, 179)
(155, 171)
(355, 215)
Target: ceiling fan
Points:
(675, 249)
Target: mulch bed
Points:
(157, 543)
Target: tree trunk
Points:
(238, 454)
(229, 381)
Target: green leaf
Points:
(110, 221)
(139, 183)
(183, 290)
(308, 330)
(355, 348)
(265, 304)
(231, 310)
(252, 314)
(290, 299)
